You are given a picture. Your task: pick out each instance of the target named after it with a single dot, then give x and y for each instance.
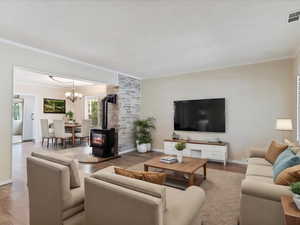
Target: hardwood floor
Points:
(14, 197)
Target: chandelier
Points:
(70, 95)
(73, 95)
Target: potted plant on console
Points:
(295, 188)
(180, 146)
(143, 137)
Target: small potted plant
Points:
(143, 137)
(295, 188)
(180, 146)
(70, 116)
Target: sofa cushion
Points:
(258, 161)
(259, 170)
(261, 179)
(274, 151)
(58, 158)
(72, 211)
(77, 194)
(288, 176)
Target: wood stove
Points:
(104, 141)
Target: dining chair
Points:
(60, 134)
(46, 133)
(85, 131)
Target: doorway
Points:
(17, 116)
(23, 118)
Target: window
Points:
(17, 111)
(92, 110)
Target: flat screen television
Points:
(206, 115)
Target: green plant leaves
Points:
(143, 130)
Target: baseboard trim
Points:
(157, 150)
(127, 151)
(241, 162)
(6, 182)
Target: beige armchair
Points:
(52, 201)
(112, 199)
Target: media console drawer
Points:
(217, 152)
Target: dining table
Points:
(72, 127)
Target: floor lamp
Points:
(285, 126)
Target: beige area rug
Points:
(83, 155)
(222, 190)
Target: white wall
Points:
(255, 96)
(11, 56)
(296, 72)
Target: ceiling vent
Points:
(294, 17)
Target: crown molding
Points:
(220, 68)
(80, 62)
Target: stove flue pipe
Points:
(108, 99)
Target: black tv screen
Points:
(206, 115)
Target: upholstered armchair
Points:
(56, 190)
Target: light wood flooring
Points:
(14, 197)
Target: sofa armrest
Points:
(257, 152)
(264, 190)
(183, 209)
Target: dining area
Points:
(60, 133)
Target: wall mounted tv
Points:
(205, 115)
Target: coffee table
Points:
(188, 167)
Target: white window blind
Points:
(298, 108)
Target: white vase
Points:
(141, 147)
(179, 156)
(296, 199)
(148, 147)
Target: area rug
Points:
(222, 190)
(81, 154)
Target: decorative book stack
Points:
(168, 159)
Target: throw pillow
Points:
(152, 177)
(285, 154)
(129, 173)
(288, 176)
(60, 159)
(285, 163)
(292, 145)
(274, 151)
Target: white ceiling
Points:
(26, 77)
(155, 38)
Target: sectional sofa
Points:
(260, 197)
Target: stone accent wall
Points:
(127, 110)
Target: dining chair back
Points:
(59, 128)
(45, 128)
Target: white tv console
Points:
(215, 151)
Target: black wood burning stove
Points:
(104, 141)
